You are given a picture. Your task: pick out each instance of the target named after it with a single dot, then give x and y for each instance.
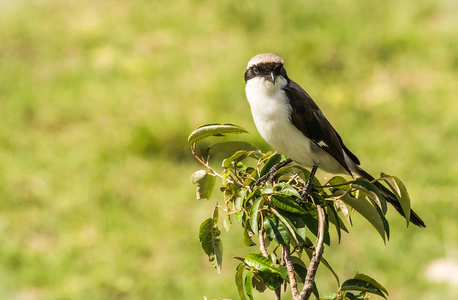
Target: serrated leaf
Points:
(254, 214)
(287, 204)
(260, 263)
(239, 280)
(210, 240)
(276, 229)
(230, 147)
(368, 211)
(371, 191)
(361, 285)
(205, 183)
(214, 130)
(248, 284)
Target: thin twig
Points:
(293, 178)
(316, 257)
(203, 162)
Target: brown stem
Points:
(262, 246)
(292, 278)
(316, 257)
(314, 262)
(278, 293)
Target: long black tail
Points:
(391, 198)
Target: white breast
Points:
(271, 113)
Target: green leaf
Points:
(260, 263)
(254, 214)
(227, 222)
(371, 191)
(372, 281)
(230, 147)
(287, 189)
(205, 183)
(299, 268)
(344, 209)
(267, 190)
(258, 284)
(334, 219)
(287, 204)
(239, 280)
(239, 199)
(367, 210)
(237, 155)
(273, 160)
(271, 280)
(311, 220)
(351, 296)
(297, 224)
(214, 130)
(276, 229)
(361, 285)
(239, 215)
(210, 240)
(247, 236)
(339, 182)
(306, 173)
(248, 284)
(400, 190)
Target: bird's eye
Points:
(255, 70)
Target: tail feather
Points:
(391, 198)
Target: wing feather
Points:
(308, 118)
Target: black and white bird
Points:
(291, 122)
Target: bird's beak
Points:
(271, 77)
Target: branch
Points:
(316, 257)
(314, 262)
(291, 275)
(262, 246)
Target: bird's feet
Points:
(308, 186)
(305, 192)
(270, 175)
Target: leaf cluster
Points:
(274, 217)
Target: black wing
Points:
(308, 118)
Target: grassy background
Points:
(97, 99)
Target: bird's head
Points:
(265, 66)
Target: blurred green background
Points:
(97, 99)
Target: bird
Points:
(290, 121)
